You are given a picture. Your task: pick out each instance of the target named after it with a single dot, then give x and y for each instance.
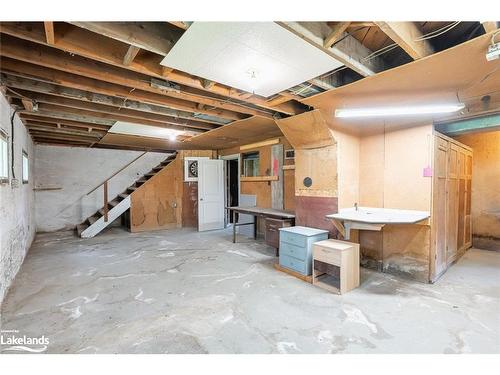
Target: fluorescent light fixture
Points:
(398, 111)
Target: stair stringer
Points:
(113, 214)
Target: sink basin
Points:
(374, 215)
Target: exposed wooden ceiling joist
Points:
(100, 48)
(130, 55)
(54, 59)
(48, 88)
(156, 37)
(138, 116)
(337, 31)
(490, 26)
(54, 120)
(54, 76)
(348, 50)
(49, 32)
(408, 37)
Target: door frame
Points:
(226, 158)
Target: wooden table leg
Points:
(234, 226)
(255, 227)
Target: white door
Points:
(210, 194)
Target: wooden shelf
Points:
(258, 178)
(289, 167)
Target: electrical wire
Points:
(437, 33)
(12, 143)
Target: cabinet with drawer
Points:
(336, 265)
(296, 247)
(272, 231)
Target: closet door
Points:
(452, 198)
(439, 206)
(464, 205)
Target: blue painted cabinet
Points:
(296, 247)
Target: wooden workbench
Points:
(257, 212)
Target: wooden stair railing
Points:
(105, 185)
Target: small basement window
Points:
(25, 168)
(4, 159)
(250, 164)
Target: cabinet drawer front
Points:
(327, 255)
(293, 264)
(293, 238)
(294, 251)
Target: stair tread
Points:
(123, 195)
(114, 202)
(131, 188)
(92, 220)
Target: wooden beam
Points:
(407, 35)
(349, 51)
(322, 84)
(184, 25)
(156, 37)
(49, 32)
(28, 104)
(337, 31)
(53, 125)
(490, 26)
(268, 142)
(62, 136)
(100, 48)
(48, 88)
(162, 121)
(32, 117)
(54, 59)
(53, 76)
(98, 117)
(52, 130)
(207, 84)
(130, 55)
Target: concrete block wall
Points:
(71, 172)
(17, 204)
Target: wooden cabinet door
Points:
(452, 199)
(439, 207)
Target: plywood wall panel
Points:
(407, 152)
(312, 211)
(320, 165)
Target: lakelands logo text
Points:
(11, 341)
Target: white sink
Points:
(375, 215)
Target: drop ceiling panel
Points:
(259, 57)
(128, 128)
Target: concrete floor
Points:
(180, 291)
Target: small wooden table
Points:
(336, 265)
(257, 212)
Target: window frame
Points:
(25, 180)
(5, 138)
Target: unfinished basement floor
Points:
(180, 291)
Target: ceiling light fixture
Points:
(172, 137)
(398, 111)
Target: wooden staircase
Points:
(94, 224)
